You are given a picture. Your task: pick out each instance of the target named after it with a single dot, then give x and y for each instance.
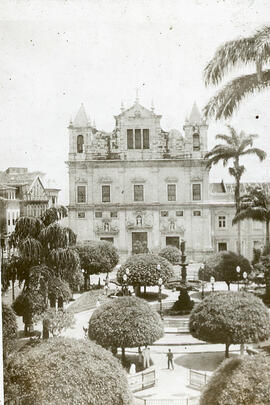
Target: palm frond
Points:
(226, 101)
(255, 151)
(64, 258)
(226, 138)
(28, 227)
(262, 43)
(30, 249)
(255, 213)
(228, 56)
(53, 214)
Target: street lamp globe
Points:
(160, 281)
(245, 275)
(238, 269)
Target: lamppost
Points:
(125, 285)
(212, 281)
(245, 279)
(160, 281)
(203, 267)
(238, 269)
(84, 272)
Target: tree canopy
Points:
(223, 265)
(171, 253)
(9, 328)
(239, 381)
(230, 318)
(98, 257)
(235, 145)
(125, 322)
(145, 269)
(253, 50)
(67, 371)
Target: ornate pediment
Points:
(171, 226)
(171, 179)
(106, 227)
(81, 180)
(105, 179)
(140, 220)
(138, 180)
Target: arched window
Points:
(139, 220)
(196, 142)
(79, 144)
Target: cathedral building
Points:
(142, 186)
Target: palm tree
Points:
(254, 51)
(236, 145)
(255, 205)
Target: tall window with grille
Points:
(138, 138)
(171, 191)
(138, 192)
(106, 193)
(81, 194)
(222, 221)
(196, 192)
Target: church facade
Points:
(142, 187)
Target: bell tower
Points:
(195, 133)
(80, 134)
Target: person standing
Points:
(170, 359)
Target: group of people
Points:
(144, 359)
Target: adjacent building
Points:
(141, 184)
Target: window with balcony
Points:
(81, 194)
(171, 191)
(106, 194)
(196, 192)
(138, 192)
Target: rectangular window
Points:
(8, 219)
(222, 221)
(171, 189)
(130, 138)
(145, 138)
(138, 139)
(13, 218)
(98, 214)
(222, 246)
(196, 142)
(164, 213)
(81, 194)
(113, 214)
(138, 193)
(106, 194)
(196, 192)
(110, 240)
(196, 213)
(81, 215)
(179, 213)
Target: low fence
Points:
(142, 380)
(166, 401)
(197, 379)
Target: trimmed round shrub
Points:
(171, 253)
(98, 257)
(239, 381)
(67, 371)
(223, 265)
(143, 270)
(231, 318)
(125, 322)
(28, 303)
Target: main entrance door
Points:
(172, 241)
(139, 242)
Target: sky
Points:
(57, 54)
